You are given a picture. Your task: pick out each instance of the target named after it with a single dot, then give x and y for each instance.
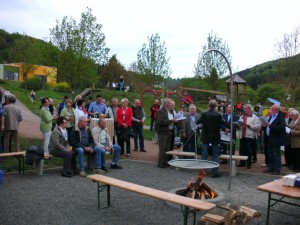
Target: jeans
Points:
(99, 153)
(138, 134)
(117, 153)
(215, 150)
(46, 136)
(275, 158)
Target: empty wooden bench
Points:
(177, 154)
(19, 156)
(235, 158)
(186, 203)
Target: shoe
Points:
(65, 174)
(47, 156)
(241, 165)
(135, 150)
(82, 174)
(264, 165)
(143, 150)
(127, 155)
(224, 161)
(161, 166)
(104, 169)
(275, 173)
(99, 171)
(115, 166)
(216, 176)
(248, 166)
(268, 171)
(167, 164)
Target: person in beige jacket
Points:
(103, 140)
(249, 124)
(295, 140)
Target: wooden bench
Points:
(235, 158)
(19, 156)
(177, 154)
(150, 192)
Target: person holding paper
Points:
(188, 128)
(277, 138)
(248, 133)
(164, 124)
(226, 128)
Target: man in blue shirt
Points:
(97, 107)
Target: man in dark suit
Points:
(277, 138)
(164, 127)
(226, 128)
(188, 129)
(211, 125)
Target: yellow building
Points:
(17, 72)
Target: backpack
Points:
(34, 152)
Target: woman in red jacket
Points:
(124, 118)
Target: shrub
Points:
(61, 87)
(33, 84)
(2, 81)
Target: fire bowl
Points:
(219, 200)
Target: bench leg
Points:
(234, 168)
(103, 188)
(185, 210)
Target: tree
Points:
(270, 91)
(82, 45)
(286, 49)
(26, 53)
(152, 61)
(112, 71)
(213, 60)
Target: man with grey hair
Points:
(248, 131)
(211, 125)
(83, 141)
(138, 118)
(12, 119)
(165, 124)
(276, 138)
(295, 140)
(188, 129)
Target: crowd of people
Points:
(66, 131)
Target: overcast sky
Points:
(250, 27)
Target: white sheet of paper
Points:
(180, 118)
(224, 136)
(287, 130)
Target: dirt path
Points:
(30, 126)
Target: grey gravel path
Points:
(50, 199)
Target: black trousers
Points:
(246, 146)
(69, 159)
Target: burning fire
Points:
(198, 189)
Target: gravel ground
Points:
(51, 199)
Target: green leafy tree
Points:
(152, 61)
(112, 71)
(82, 45)
(270, 91)
(213, 64)
(27, 52)
(286, 49)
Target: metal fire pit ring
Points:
(193, 164)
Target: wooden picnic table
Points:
(276, 187)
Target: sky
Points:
(251, 28)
